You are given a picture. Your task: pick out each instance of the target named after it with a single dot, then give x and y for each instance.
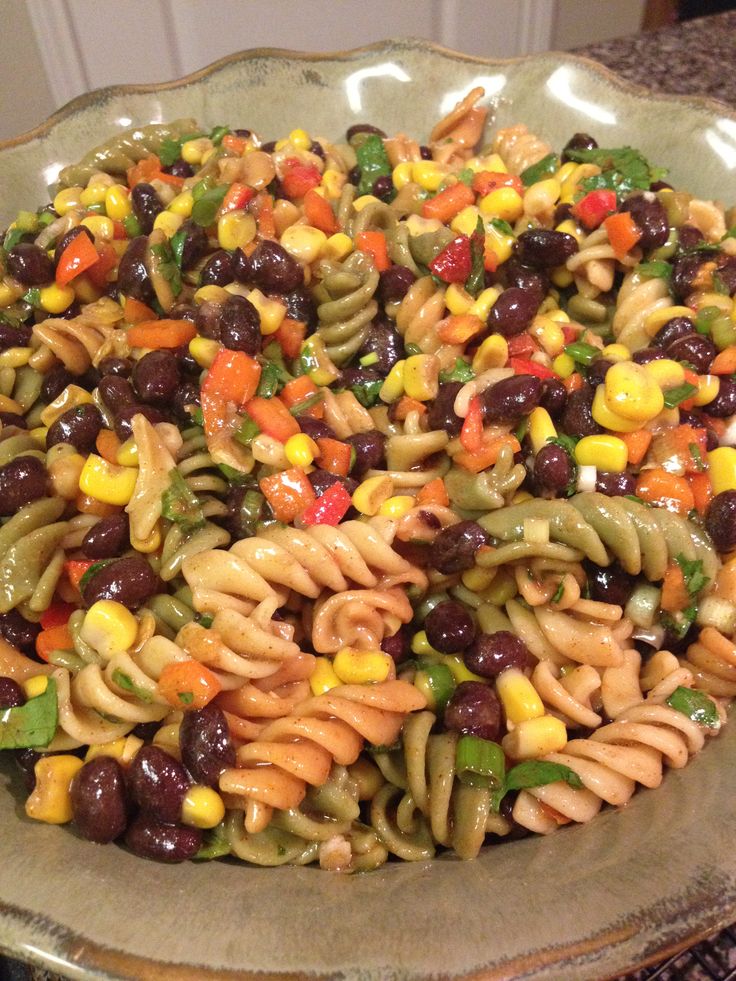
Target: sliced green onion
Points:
(581, 352)
(680, 393)
(480, 762)
(696, 705)
(368, 359)
(247, 432)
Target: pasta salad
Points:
(364, 499)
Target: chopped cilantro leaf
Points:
(462, 372)
(692, 571)
(167, 265)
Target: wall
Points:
(26, 95)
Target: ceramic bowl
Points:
(589, 902)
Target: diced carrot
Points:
(623, 232)
(289, 493)
(674, 591)
(232, 376)
(692, 378)
(374, 244)
(188, 685)
(573, 383)
(458, 328)
(290, 337)
(54, 639)
(319, 213)
(108, 445)
(334, 455)
(75, 569)
(405, 405)
(490, 259)
(90, 505)
(434, 492)
(487, 454)
(702, 488)
(272, 418)
(724, 363)
(448, 203)
(263, 210)
(298, 390)
(471, 434)
(135, 312)
(236, 197)
(177, 182)
(235, 144)
(144, 171)
(665, 490)
(682, 447)
(637, 444)
(156, 334)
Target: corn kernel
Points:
(482, 305)
(562, 277)
(607, 418)
(107, 482)
(271, 312)
(168, 223)
(632, 393)
(300, 450)
(204, 350)
(616, 352)
(117, 202)
(93, 194)
(371, 493)
(50, 800)
(549, 334)
(300, 139)
(401, 174)
(541, 428)
(235, 230)
(500, 243)
(109, 628)
(608, 453)
(421, 376)
(9, 294)
(355, 667)
(503, 202)
(569, 185)
(666, 372)
(541, 196)
(492, 162)
(658, 318)
(332, 183)
(35, 686)
(338, 246)
(85, 290)
(68, 200)
(323, 677)
(457, 668)
(182, 204)
(708, 389)
(39, 435)
(127, 455)
(457, 300)
(393, 388)
(398, 506)
(722, 467)
(427, 174)
(202, 807)
(100, 226)
(518, 696)
(211, 294)
(10, 405)
(566, 170)
(304, 243)
(364, 201)
(569, 227)
(535, 737)
(466, 221)
(193, 151)
(420, 645)
(564, 365)
(115, 748)
(56, 299)
(492, 353)
(70, 398)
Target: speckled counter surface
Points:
(697, 57)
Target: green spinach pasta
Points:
(362, 500)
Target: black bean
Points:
(450, 627)
(685, 269)
(180, 168)
(184, 311)
(598, 370)
(386, 343)
(124, 418)
(99, 801)
(650, 217)
(218, 270)
(322, 480)
(553, 468)
(156, 377)
(425, 152)
(543, 249)
(25, 760)
(615, 484)
(493, 653)
(29, 264)
(18, 631)
(562, 213)
(240, 326)
(554, 396)
(526, 278)
(394, 283)
(108, 538)
(13, 419)
(673, 330)
(162, 842)
(474, 708)
(358, 128)
(195, 244)
(79, 427)
(133, 278)
(209, 315)
(358, 376)
(146, 204)
(116, 392)
(21, 481)
(187, 394)
(647, 354)
(453, 550)
(577, 417)
(383, 187)
(206, 747)
(158, 783)
(726, 272)
(317, 149)
(11, 694)
(398, 647)
(697, 350)
(300, 305)
(609, 584)
(130, 581)
(270, 267)
(724, 404)
(14, 335)
(370, 451)
(513, 311)
(441, 413)
(720, 520)
(55, 381)
(315, 428)
(579, 141)
(115, 366)
(511, 398)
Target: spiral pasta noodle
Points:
(347, 306)
(518, 148)
(85, 339)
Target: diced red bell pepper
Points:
(79, 256)
(75, 569)
(594, 207)
(289, 493)
(299, 178)
(522, 366)
(521, 345)
(57, 615)
(329, 508)
(290, 336)
(471, 435)
(455, 262)
(319, 213)
(107, 261)
(238, 195)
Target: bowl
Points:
(589, 902)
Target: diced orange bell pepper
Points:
(319, 213)
(434, 492)
(373, 243)
(188, 685)
(487, 453)
(298, 390)
(232, 376)
(107, 445)
(486, 181)
(290, 337)
(272, 418)
(144, 171)
(471, 434)
(54, 639)
(623, 232)
(459, 328)
(702, 488)
(674, 591)
(405, 405)
(448, 203)
(724, 363)
(665, 490)
(637, 444)
(135, 312)
(157, 334)
(334, 455)
(75, 570)
(288, 493)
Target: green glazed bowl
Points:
(590, 902)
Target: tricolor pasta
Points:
(362, 499)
